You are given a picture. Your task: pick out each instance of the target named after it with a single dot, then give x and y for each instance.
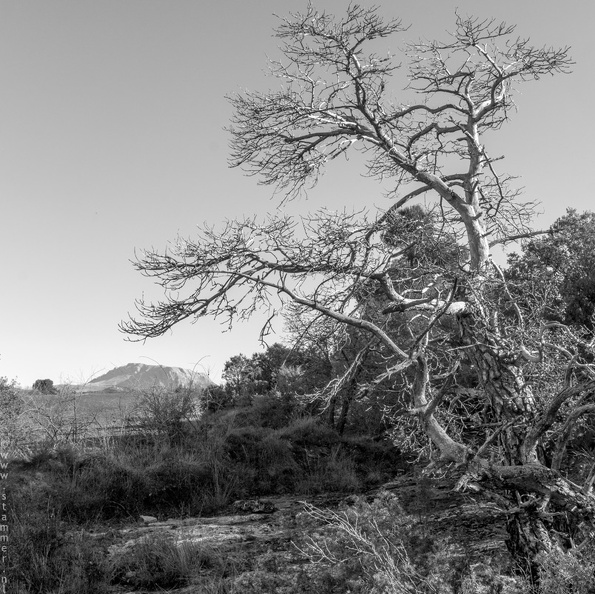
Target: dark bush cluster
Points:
(44, 386)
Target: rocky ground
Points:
(261, 535)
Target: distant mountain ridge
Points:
(139, 376)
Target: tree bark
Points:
(345, 406)
(450, 450)
(499, 375)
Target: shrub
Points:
(56, 417)
(216, 398)
(167, 413)
(102, 488)
(332, 472)
(309, 432)
(160, 482)
(375, 461)
(565, 573)
(274, 410)
(378, 549)
(244, 444)
(264, 462)
(12, 407)
(278, 469)
(361, 543)
(270, 411)
(177, 484)
(158, 563)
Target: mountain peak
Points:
(140, 376)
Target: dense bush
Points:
(310, 432)
(178, 485)
(270, 410)
(265, 462)
(97, 488)
(216, 398)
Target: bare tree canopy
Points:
(493, 389)
(336, 96)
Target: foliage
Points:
(241, 376)
(12, 408)
(167, 413)
(254, 451)
(44, 386)
(265, 463)
(289, 371)
(303, 457)
(297, 370)
(269, 410)
(96, 488)
(334, 471)
(555, 275)
(216, 398)
(310, 432)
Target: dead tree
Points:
(337, 94)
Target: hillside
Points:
(139, 376)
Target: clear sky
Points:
(111, 138)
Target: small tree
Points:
(242, 379)
(44, 386)
(471, 364)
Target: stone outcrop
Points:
(265, 532)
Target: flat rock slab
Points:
(215, 532)
(246, 539)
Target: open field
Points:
(71, 416)
(101, 408)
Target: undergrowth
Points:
(179, 467)
(204, 467)
(199, 468)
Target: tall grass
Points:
(46, 557)
(158, 563)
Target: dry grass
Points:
(158, 563)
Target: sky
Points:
(112, 139)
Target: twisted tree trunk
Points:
(541, 502)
